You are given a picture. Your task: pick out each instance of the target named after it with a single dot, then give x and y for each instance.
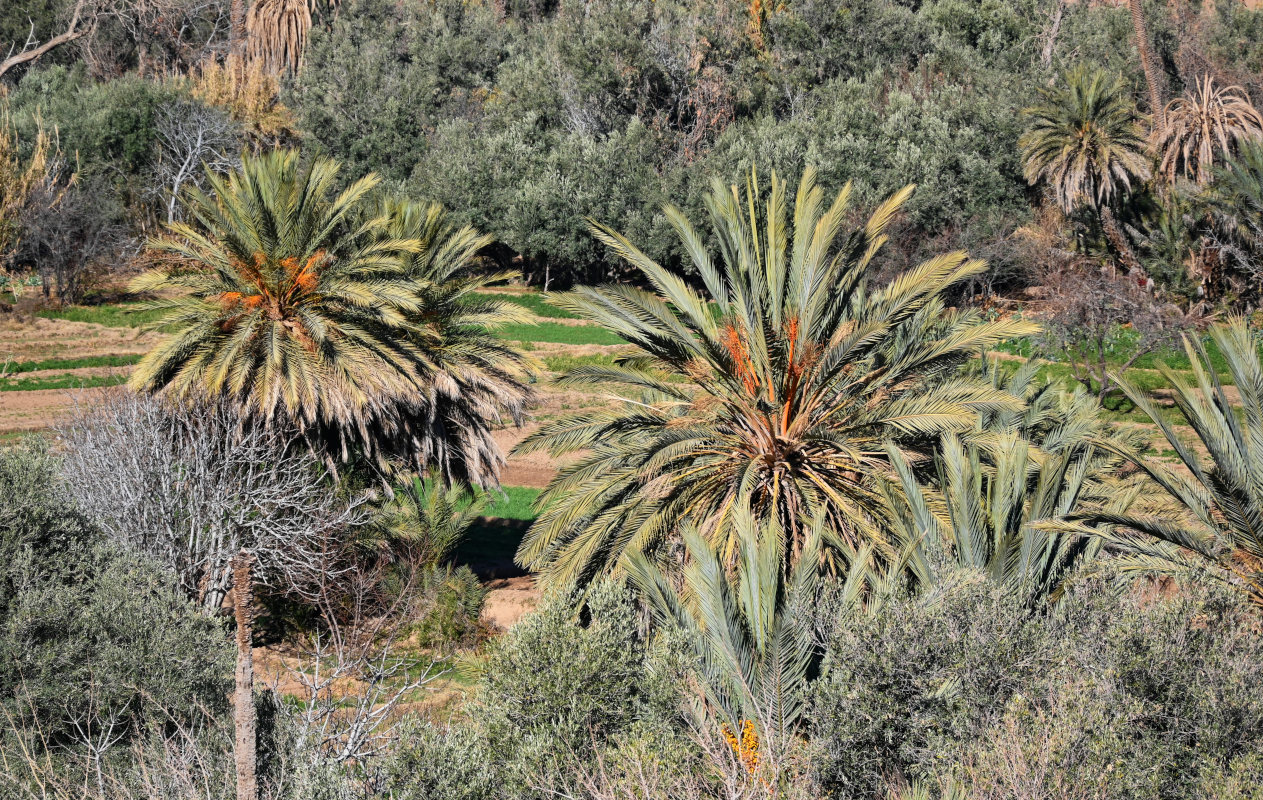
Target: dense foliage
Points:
(808, 549)
(96, 644)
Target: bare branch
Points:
(193, 486)
(30, 51)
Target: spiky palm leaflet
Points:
(1220, 532)
(993, 494)
(751, 630)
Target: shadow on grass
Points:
(489, 547)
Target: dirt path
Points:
(38, 409)
(36, 339)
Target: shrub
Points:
(451, 607)
(568, 682)
(94, 641)
(383, 76)
(1132, 696)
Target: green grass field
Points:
(74, 363)
(68, 381)
(516, 503)
(492, 541)
(537, 304)
(557, 333)
(113, 315)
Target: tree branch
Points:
(28, 54)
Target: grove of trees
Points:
(826, 535)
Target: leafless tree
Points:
(351, 679)
(219, 501)
(69, 237)
(192, 138)
(193, 487)
(1102, 323)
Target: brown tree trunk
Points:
(1126, 254)
(237, 29)
(243, 695)
(1149, 61)
(1054, 28)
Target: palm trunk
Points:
(243, 696)
(1149, 61)
(1054, 28)
(237, 28)
(1126, 254)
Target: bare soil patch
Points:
(510, 599)
(41, 408)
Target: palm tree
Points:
(773, 392)
(1155, 78)
(304, 309)
(752, 634)
(1208, 120)
(1087, 144)
(1220, 532)
(1039, 465)
(355, 328)
(1233, 203)
(474, 379)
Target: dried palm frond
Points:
(276, 33)
(1205, 125)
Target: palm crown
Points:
(1086, 141)
(1211, 120)
(307, 309)
(772, 392)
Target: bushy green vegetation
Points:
(1107, 697)
(810, 537)
(96, 644)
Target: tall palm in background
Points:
(1155, 78)
(305, 309)
(1209, 121)
(1087, 144)
(772, 393)
(991, 493)
(1221, 531)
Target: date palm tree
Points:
(1220, 532)
(772, 392)
(1087, 144)
(751, 632)
(990, 495)
(1207, 121)
(306, 309)
(357, 328)
(1233, 205)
